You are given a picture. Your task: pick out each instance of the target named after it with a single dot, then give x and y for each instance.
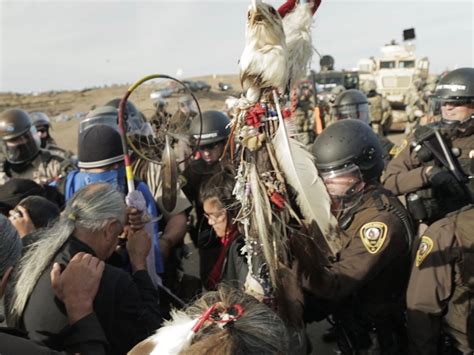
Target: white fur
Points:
(265, 54)
(297, 26)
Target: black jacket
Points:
(126, 306)
(84, 337)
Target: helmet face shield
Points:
(108, 120)
(22, 148)
(344, 185)
(355, 111)
(451, 109)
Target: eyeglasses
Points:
(217, 217)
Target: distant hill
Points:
(66, 107)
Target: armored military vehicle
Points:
(398, 73)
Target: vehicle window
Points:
(406, 64)
(387, 64)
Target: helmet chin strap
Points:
(453, 122)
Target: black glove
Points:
(438, 176)
(441, 178)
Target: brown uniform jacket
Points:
(405, 173)
(440, 295)
(374, 261)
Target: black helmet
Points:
(215, 127)
(352, 104)
(349, 142)
(135, 121)
(19, 139)
(104, 115)
(40, 119)
(456, 87)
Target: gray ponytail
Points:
(90, 208)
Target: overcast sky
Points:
(47, 45)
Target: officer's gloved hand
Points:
(442, 178)
(438, 176)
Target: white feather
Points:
(297, 26)
(261, 209)
(174, 335)
(297, 165)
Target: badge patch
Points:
(397, 149)
(424, 249)
(373, 236)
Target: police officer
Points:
(380, 111)
(161, 116)
(354, 104)
(364, 286)
(433, 189)
(304, 114)
(212, 137)
(440, 294)
(42, 123)
(179, 124)
(23, 157)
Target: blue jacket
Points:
(76, 180)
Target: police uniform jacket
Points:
(440, 296)
(373, 264)
(406, 173)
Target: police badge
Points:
(424, 249)
(373, 235)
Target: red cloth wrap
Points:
(254, 116)
(288, 6)
(216, 273)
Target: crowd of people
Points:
(86, 268)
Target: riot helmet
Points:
(105, 115)
(370, 87)
(453, 99)
(352, 104)
(349, 142)
(187, 105)
(40, 119)
(42, 124)
(160, 103)
(135, 122)
(348, 155)
(215, 128)
(18, 137)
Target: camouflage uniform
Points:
(44, 169)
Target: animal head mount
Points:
(263, 21)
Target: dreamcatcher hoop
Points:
(123, 132)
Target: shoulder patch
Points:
(373, 236)
(426, 244)
(397, 149)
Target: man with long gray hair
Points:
(126, 306)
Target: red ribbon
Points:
(278, 200)
(254, 116)
(286, 113)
